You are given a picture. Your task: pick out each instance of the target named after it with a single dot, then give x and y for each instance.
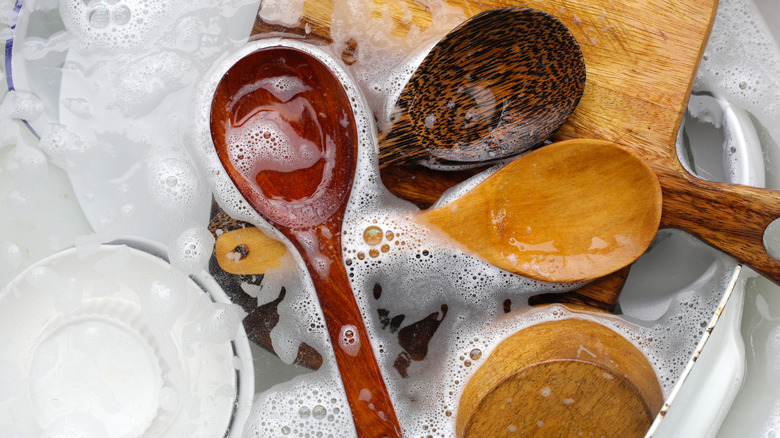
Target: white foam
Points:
(21, 105)
(306, 405)
(285, 12)
(175, 186)
(742, 60)
(190, 252)
(114, 26)
(11, 254)
(66, 148)
(143, 84)
(262, 143)
(217, 323)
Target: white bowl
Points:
(117, 341)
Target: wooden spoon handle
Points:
(314, 23)
(602, 293)
(369, 400)
(731, 218)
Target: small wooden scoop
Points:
(496, 85)
(284, 130)
(570, 211)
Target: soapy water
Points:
(139, 74)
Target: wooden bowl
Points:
(568, 377)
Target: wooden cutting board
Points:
(641, 58)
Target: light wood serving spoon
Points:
(285, 99)
(570, 211)
(497, 85)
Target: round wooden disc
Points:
(570, 377)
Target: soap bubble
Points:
(108, 25)
(21, 105)
(65, 148)
(191, 251)
(141, 86)
(175, 186)
(78, 106)
(11, 254)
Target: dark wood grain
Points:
(731, 218)
(420, 185)
(496, 85)
(305, 200)
(602, 293)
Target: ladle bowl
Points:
(284, 129)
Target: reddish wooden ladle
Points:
(284, 129)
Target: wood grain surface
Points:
(313, 25)
(568, 377)
(495, 86)
(570, 211)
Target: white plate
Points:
(119, 342)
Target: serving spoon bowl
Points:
(570, 211)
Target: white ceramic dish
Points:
(116, 341)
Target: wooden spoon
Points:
(284, 99)
(570, 211)
(497, 85)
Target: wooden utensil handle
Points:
(369, 400)
(731, 218)
(314, 23)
